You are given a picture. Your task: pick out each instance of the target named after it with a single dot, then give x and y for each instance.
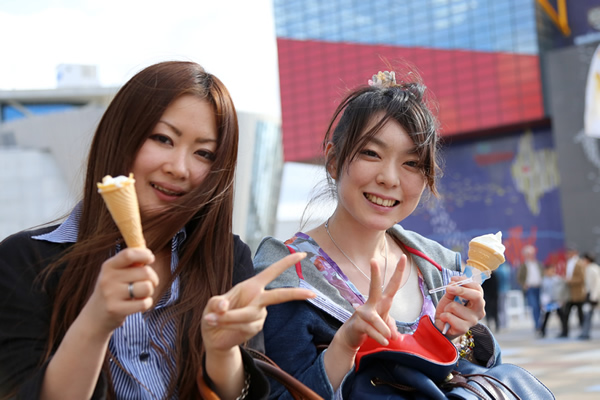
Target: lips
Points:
(379, 201)
(168, 192)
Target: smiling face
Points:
(177, 155)
(383, 184)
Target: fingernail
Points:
(452, 289)
(211, 319)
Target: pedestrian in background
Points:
(575, 278)
(490, 295)
(552, 296)
(530, 278)
(503, 273)
(592, 286)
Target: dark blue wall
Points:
(507, 184)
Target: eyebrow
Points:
(179, 133)
(375, 140)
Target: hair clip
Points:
(383, 79)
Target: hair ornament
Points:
(383, 79)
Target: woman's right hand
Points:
(371, 319)
(110, 303)
(71, 375)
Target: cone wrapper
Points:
(121, 200)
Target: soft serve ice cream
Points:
(486, 252)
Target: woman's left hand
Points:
(461, 317)
(231, 319)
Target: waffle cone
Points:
(484, 258)
(122, 203)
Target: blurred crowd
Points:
(547, 292)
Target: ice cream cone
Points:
(486, 252)
(121, 200)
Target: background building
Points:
(506, 75)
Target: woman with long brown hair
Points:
(84, 317)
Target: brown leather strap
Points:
(297, 389)
(460, 381)
(493, 391)
(490, 385)
(205, 391)
(488, 382)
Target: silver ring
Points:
(130, 288)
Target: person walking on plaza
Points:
(503, 273)
(592, 286)
(552, 296)
(490, 295)
(575, 278)
(529, 277)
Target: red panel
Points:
(474, 90)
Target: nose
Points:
(177, 165)
(388, 176)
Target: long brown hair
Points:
(205, 259)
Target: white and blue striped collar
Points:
(67, 231)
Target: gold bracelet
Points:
(466, 344)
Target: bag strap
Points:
(297, 389)
(206, 393)
(298, 265)
(490, 384)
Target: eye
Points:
(208, 155)
(369, 153)
(414, 165)
(160, 138)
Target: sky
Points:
(233, 39)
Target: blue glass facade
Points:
(482, 25)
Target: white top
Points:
(534, 276)
(408, 300)
(592, 281)
(571, 267)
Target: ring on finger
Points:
(130, 289)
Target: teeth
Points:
(166, 191)
(380, 201)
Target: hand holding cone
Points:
(486, 253)
(121, 200)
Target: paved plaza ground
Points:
(569, 367)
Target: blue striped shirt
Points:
(135, 345)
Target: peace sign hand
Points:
(238, 315)
(369, 320)
(372, 318)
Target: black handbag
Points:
(425, 365)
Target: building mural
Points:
(508, 184)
